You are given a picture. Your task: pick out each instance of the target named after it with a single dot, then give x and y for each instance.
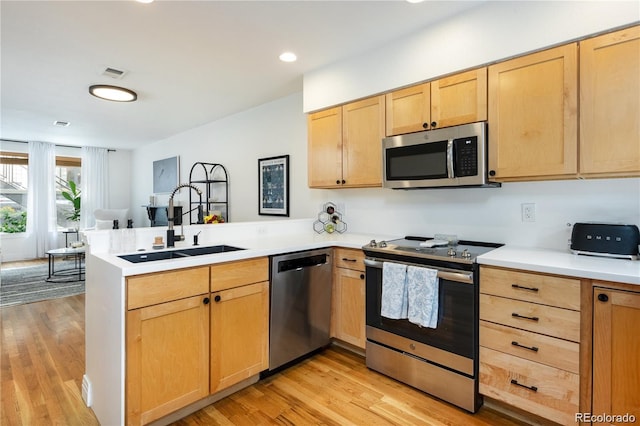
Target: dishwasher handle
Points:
(302, 262)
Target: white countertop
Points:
(254, 247)
(564, 263)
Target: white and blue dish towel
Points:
(410, 292)
(394, 291)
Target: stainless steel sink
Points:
(176, 254)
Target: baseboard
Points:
(87, 394)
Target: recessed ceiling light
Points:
(288, 57)
(113, 93)
(144, 1)
(415, 1)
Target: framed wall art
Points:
(273, 186)
(165, 175)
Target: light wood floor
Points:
(42, 365)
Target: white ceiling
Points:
(191, 62)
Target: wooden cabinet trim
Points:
(546, 289)
(232, 274)
(160, 287)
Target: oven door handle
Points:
(461, 277)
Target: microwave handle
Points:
(450, 171)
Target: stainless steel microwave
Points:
(449, 157)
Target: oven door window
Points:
(417, 162)
(456, 316)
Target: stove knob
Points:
(451, 252)
(373, 243)
(382, 244)
(465, 254)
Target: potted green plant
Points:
(73, 195)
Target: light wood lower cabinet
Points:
(239, 334)
(167, 354)
(348, 293)
(185, 342)
(616, 351)
(530, 341)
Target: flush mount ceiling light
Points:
(113, 93)
(288, 57)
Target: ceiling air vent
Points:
(113, 73)
(61, 123)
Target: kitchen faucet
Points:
(171, 237)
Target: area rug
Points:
(28, 284)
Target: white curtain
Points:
(95, 183)
(41, 200)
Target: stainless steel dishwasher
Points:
(300, 305)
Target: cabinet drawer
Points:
(160, 287)
(242, 272)
(556, 322)
(546, 350)
(545, 289)
(349, 258)
(546, 391)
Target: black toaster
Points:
(605, 239)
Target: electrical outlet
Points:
(528, 212)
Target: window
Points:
(13, 191)
(67, 171)
(14, 183)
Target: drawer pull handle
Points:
(531, 388)
(531, 348)
(517, 315)
(521, 287)
(349, 260)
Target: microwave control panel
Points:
(465, 157)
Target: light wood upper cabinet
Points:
(325, 148)
(616, 345)
(533, 116)
(344, 145)
(408, 110)
(610, 104)
(449, 101)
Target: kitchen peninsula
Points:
(107, 298)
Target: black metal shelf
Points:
(208, 177)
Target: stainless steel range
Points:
(440, 358)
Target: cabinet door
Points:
(459, 99)
(348, 307)
(325, 148)
(167, 358)
(362, 133)
(239, 334)
(408, 110)
(616, 345)
(533, 116)
(610, 104)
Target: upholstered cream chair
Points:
(105, 218)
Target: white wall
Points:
(490, 32)
(487, 33)
(237, 142)
(491, 214)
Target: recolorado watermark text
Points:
(605, 418)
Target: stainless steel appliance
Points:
(300, 305)
(447, 157)
(442, 361)
(606, 239)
